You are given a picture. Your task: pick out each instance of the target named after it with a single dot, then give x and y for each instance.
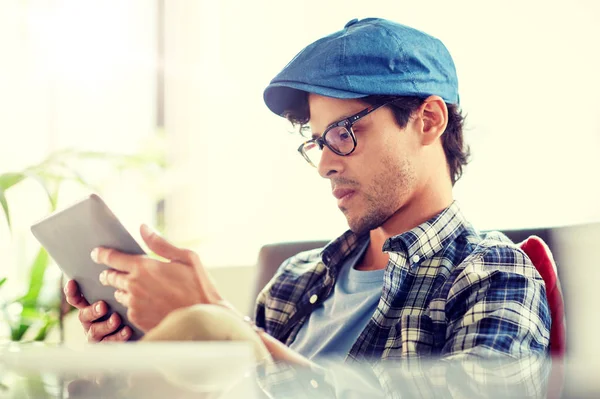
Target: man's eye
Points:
(345, 136)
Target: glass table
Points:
(228, 370)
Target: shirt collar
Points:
(419, 243)
(428, 238)
(339, 249)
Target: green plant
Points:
(26, 312)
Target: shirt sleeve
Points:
(497, 305)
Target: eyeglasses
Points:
(338, 137)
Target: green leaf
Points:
(76, 176)
(43, 331)
(16, 334)
(8, 180)
(58, 170)
(2, 281)
(4, 204)
(31, 314)
(36, 279)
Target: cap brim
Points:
(283, 96)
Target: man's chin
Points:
(365, 223)
(357, 225)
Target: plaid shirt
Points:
(447, 291)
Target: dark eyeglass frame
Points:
(348, 123)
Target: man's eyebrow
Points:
(341, 118)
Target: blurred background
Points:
(157, 106)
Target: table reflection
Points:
(157, 370)
(228, 370)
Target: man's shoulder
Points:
(494, 251)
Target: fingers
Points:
(89, 314)
(114, 259)
(115, 279)
(73, 295)
(164, 248)
(120, 336)
(99, 330)
(123, 297)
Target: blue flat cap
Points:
(372, 56)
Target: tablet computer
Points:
(69, 235)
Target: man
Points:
(411, 278)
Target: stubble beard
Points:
(383, 197)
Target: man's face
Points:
(379, 177)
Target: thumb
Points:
(160, 246)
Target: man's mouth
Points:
(343, 195)
(340, 193)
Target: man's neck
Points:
(411, 215)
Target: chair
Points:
(542, 259)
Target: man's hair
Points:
(457, 152)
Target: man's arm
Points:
(283, 353)
(497, 306)
(152, 289)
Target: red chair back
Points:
(539, 253)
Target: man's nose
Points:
(330, 163)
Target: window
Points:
(77, 75)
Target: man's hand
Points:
(150, 288)
(96, 331)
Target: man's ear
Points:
(433, 118)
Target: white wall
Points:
(528, 82)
